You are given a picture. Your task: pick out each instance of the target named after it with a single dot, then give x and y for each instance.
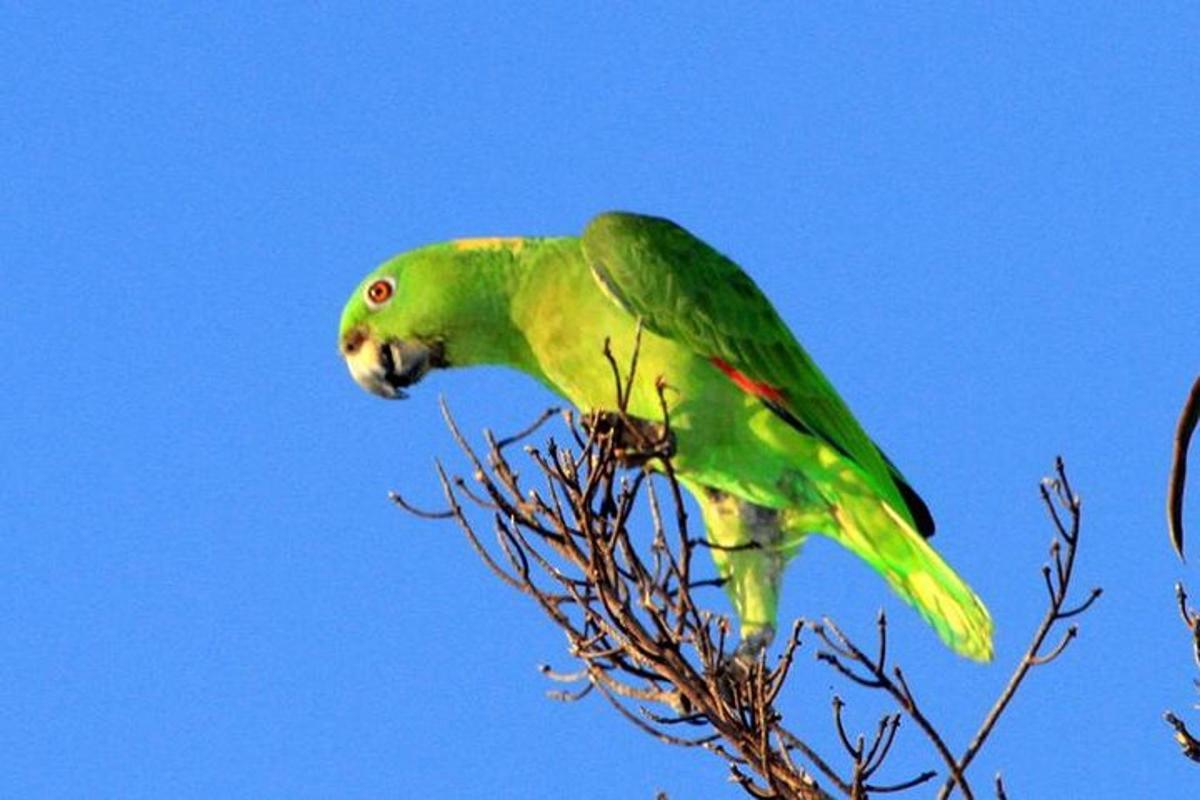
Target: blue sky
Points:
(981, 222)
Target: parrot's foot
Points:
(749, 652)
(635, 441)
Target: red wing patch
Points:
(764, 391)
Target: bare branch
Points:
(528, 430)
(1191, 619)
(1065, 510)
(899, 787)
(416, 512)
(627, 606)
(1056, 494)
(1187, 743)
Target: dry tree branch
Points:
(872, 672)
(845, 656)
(626, 603)
(1176, 484)
(628, 609)
(1188, 744)
(1056, 494)
(1191, 619)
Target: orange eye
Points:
(380, 292)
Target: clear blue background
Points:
(981, 222)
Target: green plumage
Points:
(763, 441)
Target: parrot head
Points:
(387, 345)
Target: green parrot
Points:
(768, 449)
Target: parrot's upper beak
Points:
(384, 367)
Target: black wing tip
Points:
(921, 515)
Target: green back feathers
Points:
(685, 290)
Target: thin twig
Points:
(395, 497)
(528, 430)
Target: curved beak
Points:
(384, 367)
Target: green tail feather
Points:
(875, 532)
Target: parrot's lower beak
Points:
(383, 368)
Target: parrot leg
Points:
(750, 550)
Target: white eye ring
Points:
(379, 292)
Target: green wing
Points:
(685, 290)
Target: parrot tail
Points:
(874, 531)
